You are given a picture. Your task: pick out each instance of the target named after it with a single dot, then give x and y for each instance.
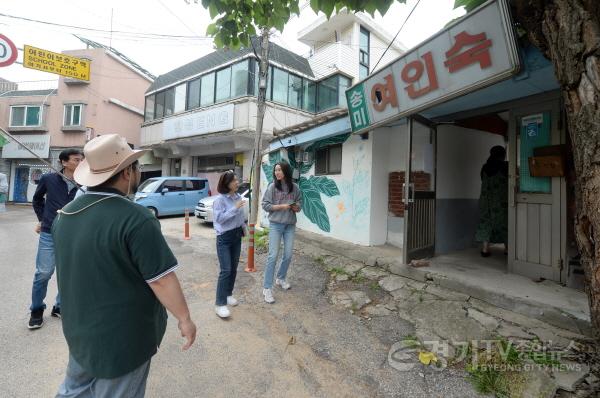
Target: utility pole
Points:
(263, 72)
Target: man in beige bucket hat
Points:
(115, 276)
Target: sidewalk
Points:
(546, 301)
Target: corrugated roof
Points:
(277, 54)
(324, 117)
(132, 64)
(28, 93)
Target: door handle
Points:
(412, 196)
(403, 193)
(181, 194)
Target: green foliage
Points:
(337, 271)
(261, 238)
(488, 375)
(469, 5)
(236, 21)
(320, 260)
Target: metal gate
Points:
(419, 190)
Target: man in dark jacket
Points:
(53, 193)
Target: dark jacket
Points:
(51, 195)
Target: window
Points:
(223, 91)
(27, 115)
(160, 105)
(207, 92)
(239, 79)
(169, 101)
(173, 185)
(180, 97)
(73, 114)
(149, 108)
(193, 94)
(327, 94)
(364, 53)
(295, 91)
(280, 86)
(329, 160)
(195, 185)
(252, 77)
(309, 99)
(149, 186)
(344, 83)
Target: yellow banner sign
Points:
(60, 64)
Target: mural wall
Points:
(338, 206)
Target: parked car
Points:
(171, 195)
(204, 210)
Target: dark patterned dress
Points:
(493, 207)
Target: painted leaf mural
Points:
(325, 185)
(313, 207)
(312, 204)
(268, 170)
(274, 157)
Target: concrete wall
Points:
(461, 154)
(349, 213)
(344, 55)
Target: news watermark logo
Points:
(498, 355)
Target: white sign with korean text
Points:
(477, 51)
(38, 144)
(198, 123)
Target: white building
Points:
(200, 118)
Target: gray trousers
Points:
(79, 384)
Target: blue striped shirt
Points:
(225, 215)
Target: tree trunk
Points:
(263, 72)
(568, 32)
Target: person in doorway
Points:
(3, 192)
(229, 223)
(113, 303)
(53, 192)
(493, 202)
(282, 201)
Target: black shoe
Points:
(55, 312)
(36, 320)
(485, 254)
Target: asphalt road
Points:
(335, 353)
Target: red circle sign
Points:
(8, 51)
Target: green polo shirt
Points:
(105, 257)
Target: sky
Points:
(169, 17)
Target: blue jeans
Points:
(276, 233)
(44, 268)
(79, 384)
(229, 246)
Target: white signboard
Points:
(38, 144)
(477, 51)
(198, 123)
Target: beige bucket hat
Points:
(105, 156)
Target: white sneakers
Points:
(232, 301)
(222, 311)
(268, 293)
(282, 283)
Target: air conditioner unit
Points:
(298, 153)
(307, 157)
